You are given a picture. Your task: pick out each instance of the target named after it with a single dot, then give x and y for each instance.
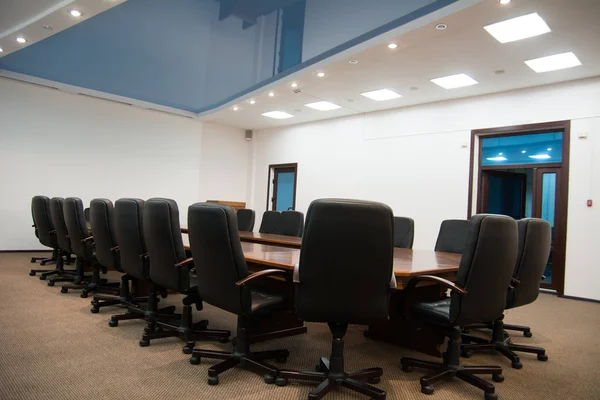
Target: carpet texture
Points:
(52, 347)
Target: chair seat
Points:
(437, 312)
(264, 303)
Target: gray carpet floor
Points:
(52, 347)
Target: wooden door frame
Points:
(562, 195)
(273, 167)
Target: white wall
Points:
(60, 144)
(416, 160)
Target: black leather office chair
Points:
(107, 254)
(534, 250)
(170, 269)
(82, 243)
(291, 223)
(245, 219)
(45, 232)
(452, 236)
(128, 223)
(64, 244)
(343, 278)
(404, 232)
(223, 281)
(270, 222)
(479, 295)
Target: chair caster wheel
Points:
(83, 295)
(517, 365)
(498, 378)
(466, 354)
(187, 349)
(527, 334)
(490, 396)
(50, 283)
(406, 368)
(64, 290)
(194, 360)
(213, 380)
(33, 262)
(94, 310)
(144, 343)
(374, 380)
(281, 360)
(224, 340)
(427, 389)
(113, 323)
(43, 263)
(542, 357)
(281, 381)
(269, 379)
(42, 278)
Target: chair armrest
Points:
(543, 278)
(184, 230)
(52, 232)
(115, 249)
(188, 262)
(296, 277)
(513, 283)
(444, 282)
(265, 272)
(144, 256)
(87, 239)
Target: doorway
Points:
(522, 172)
(281, 195)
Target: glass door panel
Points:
(545, 208)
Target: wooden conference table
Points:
(263, 251)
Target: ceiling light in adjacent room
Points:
(322, 106)
(540, 157)
(549, 149)
(455, 81)
(500, 154)
(75, 13)
(504, 2)
(381, 95)
(524, 27)
(498, 158)
(277, 115)
(392, 46)
(523, 151)
(21, 40)
(294, 85)
(553, 63)
(320, 74)
(271, 94)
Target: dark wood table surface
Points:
(407, 262)
(267, 238)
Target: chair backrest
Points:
(77, 227)
(58, 220)
(162, 233)
(346, 262)
(40, 209)
(218, 256)
(404, 232)
(270, 222)
(535, 237)
(291, 223)
(245, 219)
(102, 220)
(129, 231)
(486, 267)
(452, 236)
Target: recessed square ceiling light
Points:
(553, 63)
(381, 95)
(277, 115)
(524, 27)
(322, 106)
(455, 81)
